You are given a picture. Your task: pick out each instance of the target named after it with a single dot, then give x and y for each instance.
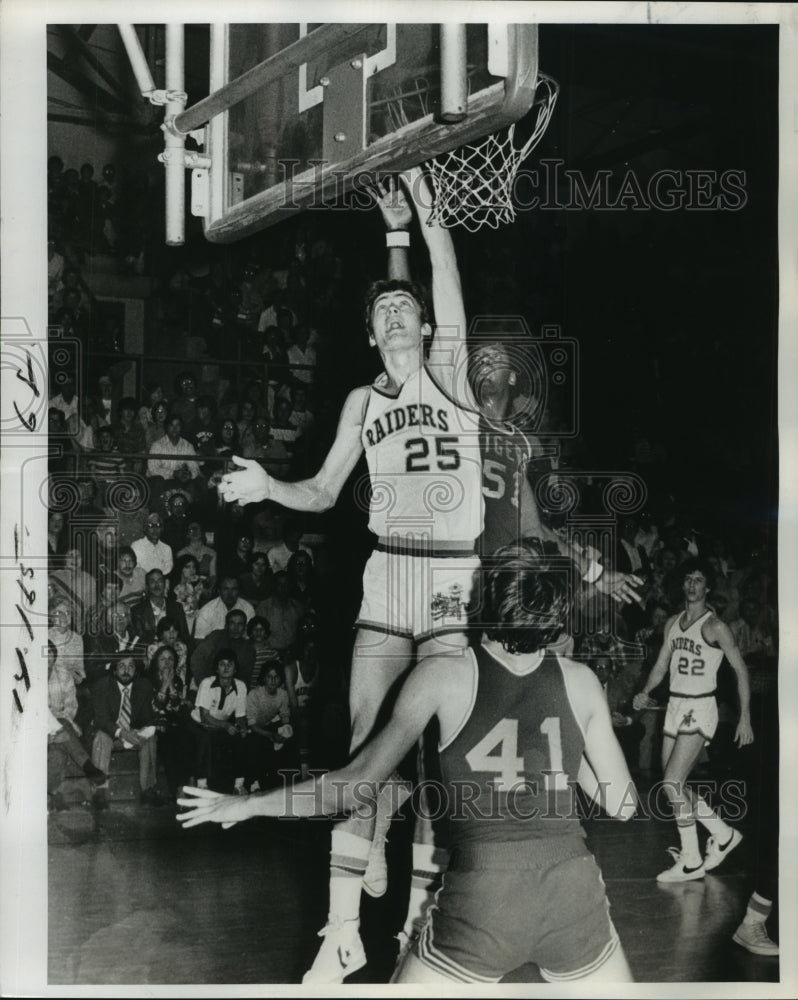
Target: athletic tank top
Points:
(423, 455)
(508, 457)
(508, 771)
(694, 662)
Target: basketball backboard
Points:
(338, 103)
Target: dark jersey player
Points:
(519, 726)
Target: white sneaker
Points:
(680, 871)
(375, 878)
(340, 955)
(715, 852)
(754, 937)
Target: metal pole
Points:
(340, 40)
(138, 61)
(454, 86)
(173, 154)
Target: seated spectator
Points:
(220, 711)
(151, 552)
(173, 443)
(259, 631)
(117, 636)
(282, 428)
(236, 563)
(125, 719)
(248, 412)
(187, 588)
(154, 394)
(66, 461)
(226, 442)
(232, 636)
(66, 401)
(302, 579)
(666, 584)
(105, 463)
(301, 417)
(203, 437)
(257, 584)
(105, 401)
(173, 704)
(213, 615)
(166, 634)
(130, 512)
(302, 355)
(63, 733)
(283, 614)
(185, 405)
(156, 426)
(132, 576)
(76, 586)
(291, 543)
(202, 552)
(130, 437)
(108, 595)
(269, 718)
(302, 682)
(56, 536)
(177, 503)
(154, 606)
(272, 454)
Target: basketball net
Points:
(473, 185)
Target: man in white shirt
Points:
(213, 615)
(302, 354)
(171, 444)
(280, 554)
(151, 552)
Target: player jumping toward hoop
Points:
(695, 643)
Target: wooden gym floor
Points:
(135, 899)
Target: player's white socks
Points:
(710, 820)
(429, 863)
(758, 909)
(688, 835)
(348, 859)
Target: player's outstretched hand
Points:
(393, 204)
(622, 587)
(249, 485)
(204, 806)
(744, 733)
(642, 700)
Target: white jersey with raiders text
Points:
(423, 454)
(694, 662)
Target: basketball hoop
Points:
(473, 185)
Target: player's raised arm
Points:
(338, 791)
(720, 633)
(252, 483)
(448, 356)
(390, 198)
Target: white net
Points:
(474, 184)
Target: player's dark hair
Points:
(384, 286)
(697, 564)
(526, 598)
(225, 654)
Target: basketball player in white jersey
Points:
(420, 431)
(519, 726)
(696, 641)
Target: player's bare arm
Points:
(426, 689)
(657, 674)
(719, 632)
(606, 779)
(252, 483)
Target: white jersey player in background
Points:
(695, 643)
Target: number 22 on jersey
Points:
(507, 765)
